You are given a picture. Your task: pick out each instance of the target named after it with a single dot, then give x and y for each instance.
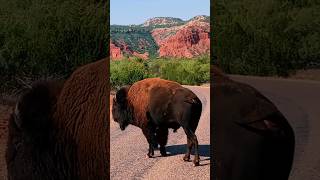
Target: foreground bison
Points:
(60, 130)
(155, 105)
(252, 139)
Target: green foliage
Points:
(41, 39)
(139, 39)
(271, 37)
(185, 71)
(126, 72)
(189, 72)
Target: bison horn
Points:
(16, 117)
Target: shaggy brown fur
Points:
(217, 75)
(252, 139)
(139, 94)
(155, 105)
(62, 132)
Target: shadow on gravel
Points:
(204, 150)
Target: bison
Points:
(155, 105)
(252, 138)
(60, 130)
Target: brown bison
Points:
(155, 105)
(60, 130)
(252, 139)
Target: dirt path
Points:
(299, 101)
(129, 148)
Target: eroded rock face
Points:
(115, 52)
(178, 39)
(189, 40)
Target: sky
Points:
(125, 12)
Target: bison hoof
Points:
(163, 151)
(196, 163)
(186, 158)
(149, 155)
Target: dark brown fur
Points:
(61, 131)
(252, 139)
(155, 105)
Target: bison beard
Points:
(60, 130)
(252, 139)
(155, 105)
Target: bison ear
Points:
(121, 95)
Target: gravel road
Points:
(129, 148)
(299, 101)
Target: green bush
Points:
(44, 39)
(185, 71)
(262, 37)
(189, 72)
(126, 72)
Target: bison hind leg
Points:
(189, 148)
(192, 142)
(162, 138)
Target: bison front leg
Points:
(162, 138)
(149, 133)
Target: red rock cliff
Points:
(189, 40)
(115, 52)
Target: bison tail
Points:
(198, 106)
(196, 113)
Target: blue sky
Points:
(124, 12)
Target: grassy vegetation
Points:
(49, 39)
(185, 71)
(273, 37)
(126, 72)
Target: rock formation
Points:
(176, 38)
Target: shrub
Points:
(189, 72)
(185, 71)
(126, 72)
(41, 39)
(266, 37)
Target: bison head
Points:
(121, 111)
(30, 133)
